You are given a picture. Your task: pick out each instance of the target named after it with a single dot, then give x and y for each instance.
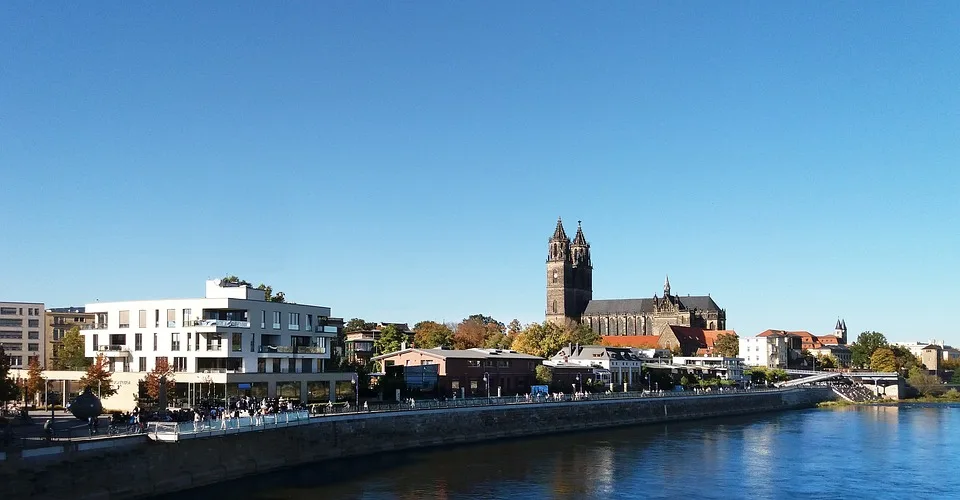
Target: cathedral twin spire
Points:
(562, 249)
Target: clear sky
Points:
(403, 161)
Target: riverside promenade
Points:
(141, 467)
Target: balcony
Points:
(222, 323)
(325, 329)
(94, 326)
(113, 351)
(288, 349)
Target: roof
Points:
(559, 233)
(587, 352)
(602, 307)
(640, 341)
(463, 354)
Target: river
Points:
(875, 452)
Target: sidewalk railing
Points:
(166, 431)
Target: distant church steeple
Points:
(666, 287)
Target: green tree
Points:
(928, 385)
(267, 289)
(70, 356)
(391, 339)
(826, 362)
(862, 350)
(97, 378)
(356, 325)
(544, 375)
(727, 345)
(956, 377)
(905, 360)
(430, 334)
(36, 384)
(8, 387)
(883, 360)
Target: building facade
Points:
(770, 352)
(56, 323)
(21, 332)
(359, 344)
(231, 336)
(570, 297)
(615, 365)
(472, 372)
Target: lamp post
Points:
(486, 382)
(356, 389)
(579, 384)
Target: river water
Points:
(874, 452)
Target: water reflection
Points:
(878, 452)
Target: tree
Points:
(267, 289)
(928, 385)
(727, 345)
(70, 356)
(97, 378)
(478, 330)
(862, 350)
(905, 360)
(391, 339)
(8, 387)
(956, 377)
(153, 379)
(547, 339)
(430, 334)
(826, 362)
(883, 360)
(356, 325)
(544, 375)
(36, 384)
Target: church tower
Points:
(840, 331)
(582, 273)
(569, 276)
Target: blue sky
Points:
(403, 161)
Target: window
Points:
(261, 366)
(143, 364)
(554, 306)
(489, 362)
(33, 347)
(159, 359)
(11, 322)
(187, 317)
(474, 385)
(455, 385)
(33, 335)
(473, 362)
(143, 318)
(253, 340)
(294, 321)
(138, 343)
(179, 364)
(171, 318)
(156, 316)
(214, 342)
(276, 320)
(276, 365)
(95, 342)
(236, 345)
(155, 339)
(175, 341)
(33, 323)
(263, 319)
(8, 310)
(307, 366)
(309, 323)
(188, 340)
(426, 362)
(504, 363)
(124, 319)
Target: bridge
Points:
(810, 376)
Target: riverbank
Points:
(151, 468)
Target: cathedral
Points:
(570, 297)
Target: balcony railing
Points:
(325, 329)
(113, 348)
(218, 322)
(93, 326)
(288, 349)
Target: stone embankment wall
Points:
(138, 468)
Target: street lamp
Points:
(486, 382)
(356, 389)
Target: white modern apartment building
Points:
(232, 340)
(723, 367)
(771, 351)
(21, 332)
